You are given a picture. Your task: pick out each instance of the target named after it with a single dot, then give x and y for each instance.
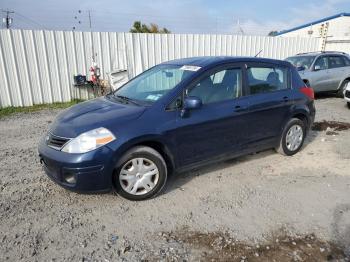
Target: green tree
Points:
(138, 27)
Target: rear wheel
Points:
(340, 92)
(140, 174)
(348, 105)
(292, 138)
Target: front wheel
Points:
(348, 105)
(292, 137)
(140, 174)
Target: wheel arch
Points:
(300, 113)
(342, 82)
(302, 116)
(163, 150)
(155, 142)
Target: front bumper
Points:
(89, 172)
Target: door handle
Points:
(239, 108)
(285, 99)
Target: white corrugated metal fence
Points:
(38, 66)
(151, 49)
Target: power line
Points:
(30, 20)
(222, 25)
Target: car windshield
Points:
(154, 83)
(301, 61)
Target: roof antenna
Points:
(258, 53)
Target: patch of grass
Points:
(27, 109)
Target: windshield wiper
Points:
(127, 99)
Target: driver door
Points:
(320, 76)
(219, 126)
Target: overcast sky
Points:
(180, 16)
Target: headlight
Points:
(89, 141)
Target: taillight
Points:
(308, 91)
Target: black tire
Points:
(282, 148)
(146, 153)
(340, 92)
(348, 103)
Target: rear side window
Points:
(267, 79)
(336, 61)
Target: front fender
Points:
(147, 140)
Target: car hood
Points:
(305, 71)
(99, 112)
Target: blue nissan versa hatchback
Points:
(176, 116)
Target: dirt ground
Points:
(261, 207)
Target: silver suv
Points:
(323, 71)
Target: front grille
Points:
(347, 93)
(56, 142)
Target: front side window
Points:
(220, 86)
(301, 61)
(321, 63)
(151, 85)
(336, 61)
(267, 79)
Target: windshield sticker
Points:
(153, 97)
(190, 68)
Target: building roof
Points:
(313, 23)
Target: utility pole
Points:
(7, 20)
(90, 21)
(240, 29)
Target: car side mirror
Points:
(190, 103)
(317, 68)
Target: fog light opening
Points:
(69, 178)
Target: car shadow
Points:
(325, 95)
(177, 180)
(311, 136)
(341, 227)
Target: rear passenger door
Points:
(270, 98)
(336, 71)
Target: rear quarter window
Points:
(267, 79)
(346, 61)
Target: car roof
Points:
(320, 53)
(205, 61)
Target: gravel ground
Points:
(259, 207)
